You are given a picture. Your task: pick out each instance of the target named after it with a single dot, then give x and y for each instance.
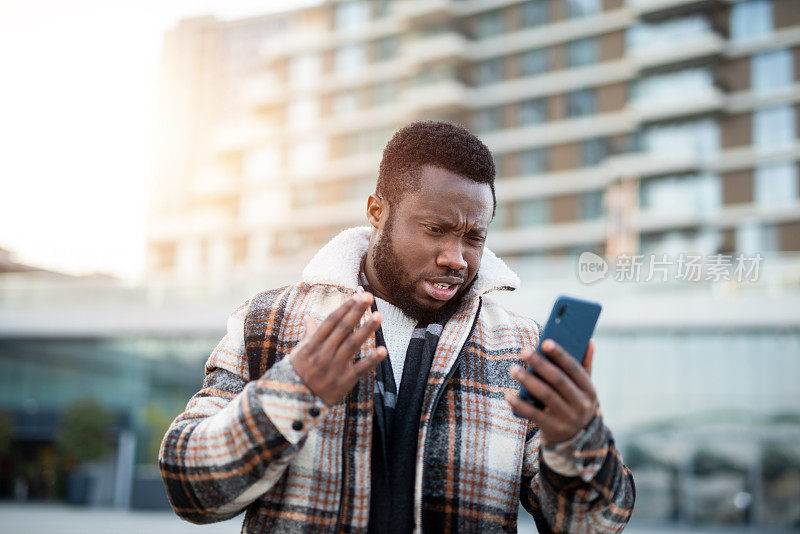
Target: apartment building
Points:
(616, 125)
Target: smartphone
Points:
(571, 325)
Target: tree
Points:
(84, 432)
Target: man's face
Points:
(429, 244)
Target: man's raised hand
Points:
(324, 357)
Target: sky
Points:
(77, 118)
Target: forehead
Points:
(444, 193)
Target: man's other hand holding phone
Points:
(565, 388)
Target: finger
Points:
(310, 324)
(356, 339)
(330, 322)
(521, 408)
(588, 357)
(540, 389)
(569, 364)
(347, 323)
(554, 377)
(373, 358)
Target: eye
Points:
(476, 238)
(433, 228)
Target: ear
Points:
(376, 210)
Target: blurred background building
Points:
(617, 127)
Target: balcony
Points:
(704, 45)
(436, 48)
(655, 109)
(659, 9)
(440, 96)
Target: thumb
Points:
(310, 324)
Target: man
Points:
(306, 423)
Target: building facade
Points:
(645, 125)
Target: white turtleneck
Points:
(397, 328)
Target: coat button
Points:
(297, 425)
(314, 411)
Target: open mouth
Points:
(441, 290)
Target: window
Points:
(774, 128)
(698, 138)
(302, 113)
(644, 38)
(490, 71)
(694, 194)
(754, 238)
(593, 151)
(533, 212)
(308, 156)
(490, 24)
(349, 16)
(582, 52)
(533, 161)
(387, 47)
(501, 219)
(771, 70)
(534, 13)
(532, 112)
(489, 119)
(581, 102)
(582, 8)
(775, 184)
(384, 93)
(672, 86)
(344, 103)
(305, 69)
(751, 19)
(349, 59)
(534, 62)
(591, 205)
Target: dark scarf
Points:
(396, 430)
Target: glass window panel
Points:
(490, 71)
(770, 70)
(688, 194)
(501, 219)
(305, 69)
(489, 119)
(344, 103)
(352, 15)
(751, 19)
(532, 112)
(754, 238)
(534, 13)
(591, 205)
(593, 151)
(387, 48)
(533, 161)
(646, 37)
(534, 62)
(309, 155)
(490, 24)
(385, 93)
(775, 184)
(774, 127)
(582, 8)
(693, 138)
(534, 212)
(302, 113)
(349, 58)
(581, 102)
(582, 52)
(672, 86)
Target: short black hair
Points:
(440, 144)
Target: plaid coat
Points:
(256, 438)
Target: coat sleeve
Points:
(236, 437)
(580, 485)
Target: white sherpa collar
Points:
(338, 263)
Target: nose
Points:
(451, 257)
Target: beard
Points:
(400, 284)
